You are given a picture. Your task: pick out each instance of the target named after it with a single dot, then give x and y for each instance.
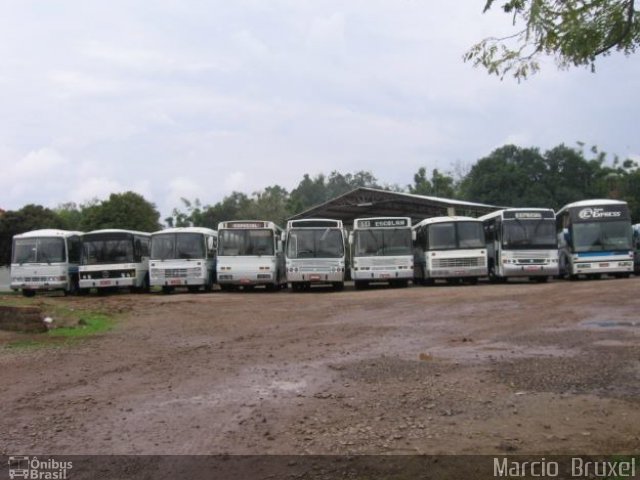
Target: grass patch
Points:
(71, 323)
(88, 324)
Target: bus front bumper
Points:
(177, 282)
(460, 272)
(544, 270)
(316, 277)
(603, 267)
(238, 277)
(39, 285)
(382, 275)
(108, 282)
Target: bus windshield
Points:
(529, 233)
(600, 236)
(454, 235)
(171, 246)
(315, 243)
(39, 250)
(236, 242)
(107, 249)
(383, 242)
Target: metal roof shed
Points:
(372, 202)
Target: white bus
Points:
(183, 257)
(250, 254)
(449, 248)
(521, 242)
(45, 260)
(636, 248)
(381, 251)
(315, 253)
(113, 259)
(595, 237)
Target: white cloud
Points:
(235, 181)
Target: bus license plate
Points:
(384, 275)
(175, 282)
(314, 278)
(245, 281)
(105, 283)
(604, 265)
(531, 269)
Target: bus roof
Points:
(247, 224)
(117, 230)
(202, 230)
(500, 213)
(47, 232)
(592, 203)
(429, 221)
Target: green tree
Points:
(191, 216)
(236, 206)
(440, 185)
(574, 32)
(127, 210)
(30, 217)
(271, 204)
(70, 215)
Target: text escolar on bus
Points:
(315, 253)
(183, 257)
(250, 254)
(381, 251)
(521, 242)
(449, 248)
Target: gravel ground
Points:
(522, 368)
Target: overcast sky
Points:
(197, 98)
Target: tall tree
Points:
(574, 32)
(440, 185)
(127, 210)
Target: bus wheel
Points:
(428, 282)
(400, 283)
(83, 291)
(361, 284)
(28, 293)
(541, 279)
(338, 286)
(193, 288)
(472, 280)
(166, 290)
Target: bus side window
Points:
(75, 249)
(144, 247)
(210, 246)
(137, 249)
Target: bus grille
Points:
(458, 262)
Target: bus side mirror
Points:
(414, 235)
(566, 236)
(351, 238)
(210, 243)
(283, 237)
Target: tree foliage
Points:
(440, 185)
(29, 217)
(573, 32)
(128, 210)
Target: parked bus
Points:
(114, 259)
(250, 254)
(315, 253)
(45, 260)
(636, 248)
(595, 237)
(183, 257)
(451, 249)
(521, 242)
(381, 251)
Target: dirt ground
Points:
(516, 368)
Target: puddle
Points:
(611, 323)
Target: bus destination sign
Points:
(246, 225)
(383, 223)
(604, 212)
(529, 215)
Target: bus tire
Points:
(193, 288)
(472, 280)
(166, 290)
(83, 291)
(400, 283)
(338, 286)
(541, 279)
(28, 293)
